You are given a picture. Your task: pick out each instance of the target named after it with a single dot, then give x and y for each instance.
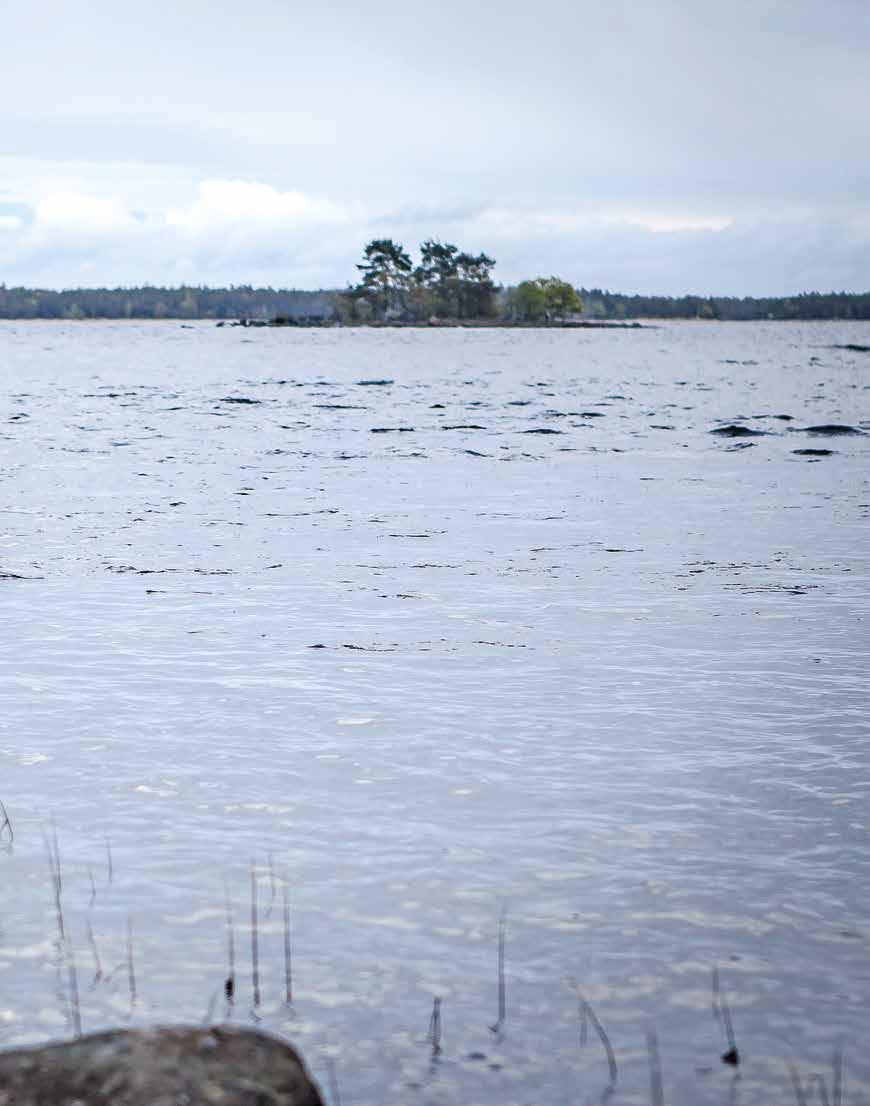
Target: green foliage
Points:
(528, 302)
(544, 299)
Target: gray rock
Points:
(219, 1066)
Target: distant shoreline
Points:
(442, 324)
(646, 322)
(323, 307)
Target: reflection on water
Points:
(429, 626)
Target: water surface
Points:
(436, 625)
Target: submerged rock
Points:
(831, 429)
(220, 1066)
(733, 431)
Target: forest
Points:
(238, 302)
(807, 305)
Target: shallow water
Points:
(609, 679)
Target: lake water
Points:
(440, 626)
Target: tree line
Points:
(446, 284)
(807, 305)
(186, 302)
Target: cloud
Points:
(248, 206)
(96, 229)
(663, 146)
(77, 213)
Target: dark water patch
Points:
(242, 400)
(831, 430)
(464, 426)
(781, 418)
(139, 571)
(590, 414)
(392, 430)
(131, 569)
(340, 407)
(107, 395)
(542, 430)
(373, 383)
(474, 453)
(518, 402)
(301, 514)
(661, 426)
(779, 589)
(814, 452)
(853, 347)
(735, 431)
(20, 415)
(740, 445)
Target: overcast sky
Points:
(670, 146)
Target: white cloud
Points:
(251, 205)
(82, 214)
(77, 227)
(513, 223)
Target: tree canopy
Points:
(544, 299)
(447, 283)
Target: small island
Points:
(448, 285)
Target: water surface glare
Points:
(433, 625)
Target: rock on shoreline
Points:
(219, 1066)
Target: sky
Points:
(667, 147)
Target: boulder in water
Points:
(831, 429)
(219, 1066)
(733, 431)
